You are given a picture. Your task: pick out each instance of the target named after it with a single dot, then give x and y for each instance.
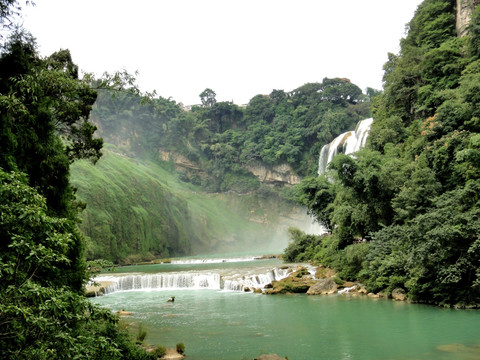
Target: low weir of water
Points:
(213, 280)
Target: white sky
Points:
(238, 48)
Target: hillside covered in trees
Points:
(44, 128)
(404, 212)
(179, 181)
(223, 139)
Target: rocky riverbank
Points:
(97, 288)
(324, 282)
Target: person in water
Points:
(172, 299)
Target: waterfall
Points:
(254, 281)
(164, 281)
(191, 280)
(346, 143)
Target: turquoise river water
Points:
(216, 322)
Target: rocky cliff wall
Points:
(464, 14)
(280, 174)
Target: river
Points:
(215, 319)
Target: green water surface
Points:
(233, 325)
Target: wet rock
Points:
(294, 283)
(323, 287)
(172, 354)
(348, 284)
(399, 294)
(124, 313)
(324, 273)
(269, 357)
(362, 290)
(97, 289)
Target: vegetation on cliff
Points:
(223, 139)
(137, 211)
(404, 212)
(153, 206)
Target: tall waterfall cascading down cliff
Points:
(346, 143)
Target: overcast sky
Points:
(237, 48)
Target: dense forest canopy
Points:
(224, 139)
(404, 212)
(44, 127)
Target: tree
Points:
(317, 195)
(43, 312)
(44, 111)
(207, 97)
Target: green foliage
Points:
(317, 194)
(44, 110)
(301, 246)
(160, 351)
(141, 334)
(412, 194)
(224, 138)
(138, 211)
(42, 308)
(180, 348)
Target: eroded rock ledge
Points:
(325, 282)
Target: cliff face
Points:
(178, 160)
(464, 14)
(280, 174)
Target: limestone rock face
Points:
(178, 159)
(323, 287)
(275, 174)
(464, 14)
(399, 294)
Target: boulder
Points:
(324, 272)
(296, 282)
(97, 289)
(323, 287)
(123, 312)
(362, 290)
(399, 294)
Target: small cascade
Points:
(258, 281)
(346, 143)
(161, 281)
(190, 280)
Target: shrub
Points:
(141, 335)
(160, 351)
(181, 348)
